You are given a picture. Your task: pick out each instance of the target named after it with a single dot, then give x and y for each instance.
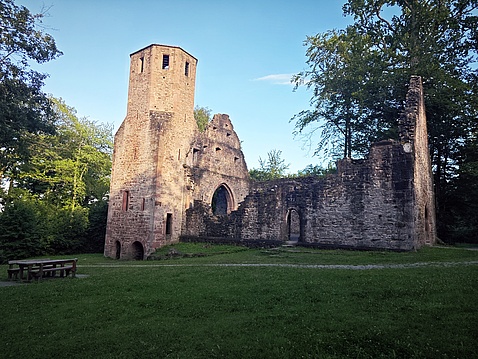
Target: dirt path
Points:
(313, 266)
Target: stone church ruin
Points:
(171, 182)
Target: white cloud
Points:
(277, 79)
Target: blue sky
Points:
(247, 51)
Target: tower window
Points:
(165, 62)
(186, 69)
(141, 64)
(125, 204)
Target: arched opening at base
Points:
(138, 251)
(293, 226)
(222, 201)
(118, 250)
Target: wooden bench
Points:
(13, 272)
(50, 271)
(41, 268)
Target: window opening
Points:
(141, 64)
(195, 155)
(169, 223)
(221, 201)
(218, 149)
(186, 69)
(125, 204)
(143, 204)
(165, 62)
(179, 154)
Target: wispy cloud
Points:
(276, 79)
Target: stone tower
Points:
(148, 182)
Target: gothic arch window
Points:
(222, 201)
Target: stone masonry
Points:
(171, 182)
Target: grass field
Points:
(195, 307)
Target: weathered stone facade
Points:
(161, 162)
(170, 181)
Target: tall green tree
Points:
(360, 75)
(274, 167)
(72, 167)
(57, 202)
(24, 109)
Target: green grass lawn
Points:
(162, 309)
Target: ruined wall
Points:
(365, 205)
(384, 201)
(216, 159)
(414, 138)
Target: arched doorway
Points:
(222, 201)
(293, 226)
(138, 251)
(118, 250)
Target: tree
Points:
(202, 115)
(316, 170)
(24, 109)
(338, 75)
(71, 168)
(360, 75)
(57, 202)
(272, 168)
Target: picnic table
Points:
(40, 268)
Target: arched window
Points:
(222, 202)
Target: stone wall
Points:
(414, 138)
(384, 201)
(365, 205)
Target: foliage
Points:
(279, 312)
(94, 238)
(359, 79)
(57, 201)
(316, 170)
(24, 109)
(202, 115)
(30, 226)
(21, 229)
(72, 167)
(272, 168)
(461, 199)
